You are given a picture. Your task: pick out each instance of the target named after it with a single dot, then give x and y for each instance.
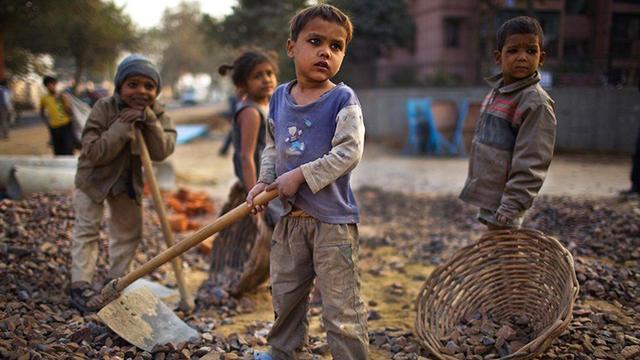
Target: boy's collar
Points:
(496, 83)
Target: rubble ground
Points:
(403, 237)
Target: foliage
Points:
(185, 46)
(379, 27)
(92, 32)
(263, 23)
(15, 14)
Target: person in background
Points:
(634, 191)
(55, 111)
(254, 74)
(6, 109)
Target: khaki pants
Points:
(125, 233)
(303, 248)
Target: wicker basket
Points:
(508, 272)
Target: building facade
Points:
(588, 42)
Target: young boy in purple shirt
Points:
(315, 139)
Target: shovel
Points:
(139, 316)
(186, 300)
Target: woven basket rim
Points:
(545, 335)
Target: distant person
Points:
(254, 74)
(6, 109)
(634, 191)
(315, 139)
(110, 170)
(513, 144)
(55, 111)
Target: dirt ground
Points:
(400, 248)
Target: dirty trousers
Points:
(125, 233)
(303, 248)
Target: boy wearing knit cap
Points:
(109, 170)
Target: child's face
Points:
(319, 50)
(261, 82)
(51, 87)
(138, 91)
(520, 57)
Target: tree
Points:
(96, 37)
(91, 32)
(16, 15)
(184, 46)
(262, 23)
(379, 27)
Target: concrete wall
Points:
(589, 119)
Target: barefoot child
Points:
(515, 135)
(109, 169)
(315, 139)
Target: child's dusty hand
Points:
(149, 117)
(288, 183)
(257, 189)
(130, 115)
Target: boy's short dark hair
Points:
(324, 11)
(519, 25)
(49, 80)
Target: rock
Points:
(631, 352)
(212, 356)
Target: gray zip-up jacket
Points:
(512, 147)
(107, 149)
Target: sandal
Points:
(84, 298)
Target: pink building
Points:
(586, 40)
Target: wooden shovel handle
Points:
(186, 300)
(220, 223)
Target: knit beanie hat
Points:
(136, 65)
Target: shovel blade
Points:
(142, 319)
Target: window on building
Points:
(625, 30)
(452, 32)
(578, 7)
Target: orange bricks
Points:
(184, 205)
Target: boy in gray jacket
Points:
(110, 170)
(515, 135)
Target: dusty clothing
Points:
(125, 233)
(325, 139)
(319, 236)
(303, 248)
(108, 155)
(237, 136)
(512, 147)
